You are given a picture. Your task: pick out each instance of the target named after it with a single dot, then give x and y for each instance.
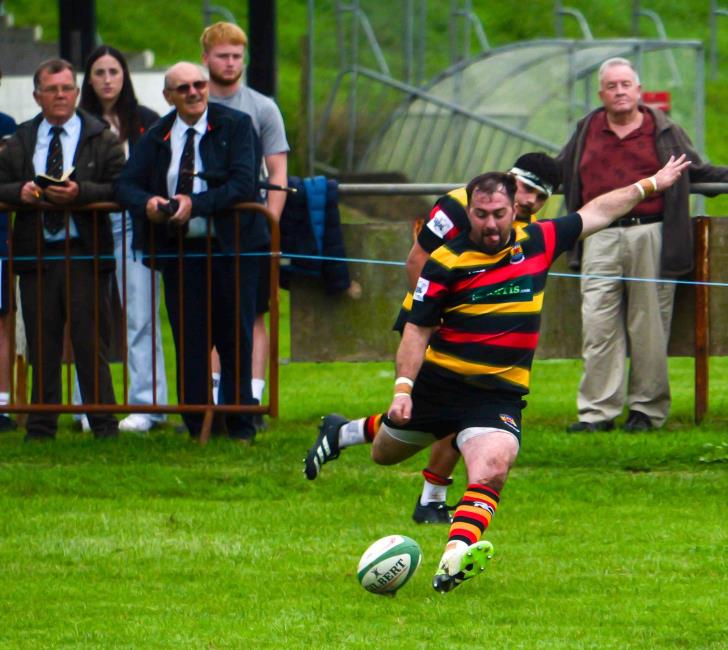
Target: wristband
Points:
(402, 395)
(404, 380)
(403, 385)
(639, 187)
(653, 180)
(648, 186)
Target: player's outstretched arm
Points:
(410, 355)
(604, 209)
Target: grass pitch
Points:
(602, 541)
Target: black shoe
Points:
(590, 427)
(243, 440)
(326, 447)
(38, 436)
(6, 424)
(107, 433)
(218, 427)
(259, 422)
(435, 512)
(636, 422)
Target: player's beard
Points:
(493, 248)
(523, 213)
(224, 81)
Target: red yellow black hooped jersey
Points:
(448, 219)
(487, 308)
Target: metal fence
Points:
(64, 253)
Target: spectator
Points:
(60, 140)
(619, 143)
(7, 128)
(108, 94)
(223, 53)
(169, 162)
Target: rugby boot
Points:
(435, 512)
(326, 447)
(461, 563)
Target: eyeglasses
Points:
(54, 90)
(184, 89)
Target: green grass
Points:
(602, 541)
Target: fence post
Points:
(702, 316)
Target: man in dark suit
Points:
(52, 143)
(203, 157)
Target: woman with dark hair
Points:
(107, 93)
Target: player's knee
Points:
(495, 481)
(494, 474)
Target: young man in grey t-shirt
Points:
(223, 46)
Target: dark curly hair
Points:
(126, 104)
(492, 182)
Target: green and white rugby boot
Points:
(461, 562)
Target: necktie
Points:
(53, 220)
(187, 165)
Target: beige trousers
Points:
(621, 317)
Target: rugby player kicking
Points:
(537, 176)
(464, 361)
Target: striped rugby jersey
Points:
(488, 307)
(448, 219)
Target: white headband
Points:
(529, 178)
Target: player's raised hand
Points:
(670, 173)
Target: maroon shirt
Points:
(608, 163)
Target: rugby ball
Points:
(388, 564)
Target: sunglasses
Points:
(184, 89)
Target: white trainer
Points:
(136, 423)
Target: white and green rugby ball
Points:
(388, 564)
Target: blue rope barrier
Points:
(360, 260)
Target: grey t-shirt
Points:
(266, 117)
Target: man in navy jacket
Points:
(181, 181)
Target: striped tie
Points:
(53, 220)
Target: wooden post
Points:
(702, 316)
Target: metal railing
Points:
(209, 408)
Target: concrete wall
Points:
(341, 328)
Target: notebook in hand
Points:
(43, 180)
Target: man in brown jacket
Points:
(619, 143)
(57, 141)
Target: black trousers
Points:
(189, 322)
(47, 304)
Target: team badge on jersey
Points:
(440, 224)
(517, 255)
(507, 419)
(421, 289)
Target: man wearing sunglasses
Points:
(182, 179)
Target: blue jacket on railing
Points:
(311, 227)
